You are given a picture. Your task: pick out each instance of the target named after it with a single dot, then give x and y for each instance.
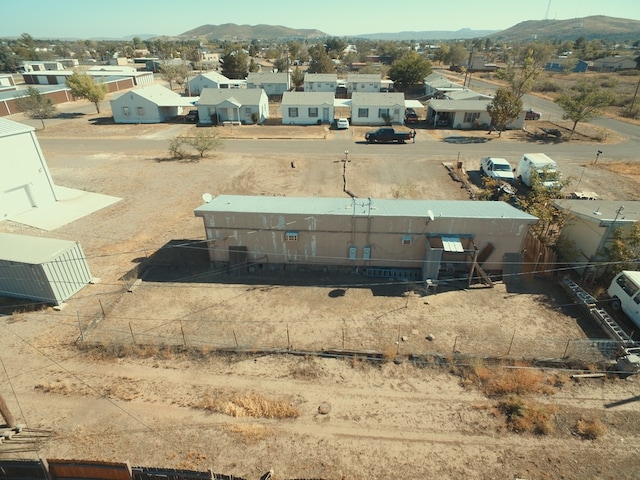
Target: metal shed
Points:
(42, 269)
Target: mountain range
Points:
(594, 27)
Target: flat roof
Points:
(364, 206)
(31, 250)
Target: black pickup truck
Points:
(387, 135)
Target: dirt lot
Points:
(456, 416)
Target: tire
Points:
(616, 304)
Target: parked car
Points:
(192, 116)
(342, 123)
(531, 114)
(410, 116)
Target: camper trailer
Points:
(532, 164)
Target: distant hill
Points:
(231, 31)
(429, 35)
(596, 27)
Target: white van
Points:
(545, 167)
(625, 294)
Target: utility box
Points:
(45, 270)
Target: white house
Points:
(463, 114)
(363, 83)
(219, 105)
(211, 80)
(437, 86)
(377, 108)
(307, 108)
(320, 82)
(152, 104)
(465, 94)
(25, 182)
(273, 84)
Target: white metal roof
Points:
(364, 206)
(31, 250)
(9, 127)
(307, 98)
(161, 96)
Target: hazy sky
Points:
(120, 18)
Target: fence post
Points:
(133, 339)
(184, 340)
(566, 349)
(511, 343)
(288, 338)
(80, 327)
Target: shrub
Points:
(546, 86)
(248, 405)
(255, 117)
(590, 429)
(527, 417)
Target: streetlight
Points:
(597, 156)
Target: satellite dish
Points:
(430, 214)
(207, 197)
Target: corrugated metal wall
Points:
(53, 281)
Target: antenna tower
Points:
(546, 15)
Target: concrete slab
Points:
(72, 205)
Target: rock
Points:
(404, 338)
(324, 408)
(430, 337)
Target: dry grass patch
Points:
(590, 429)
(500, 381)
(629, 169)
(523, 416)
(248, 433)
(248, 405)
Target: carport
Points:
(453, 254)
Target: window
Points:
(247, 111)
(140, 111)
(293, 111)
(406, 240)
(291, 236)
(383, 113)
(313, 111)
(125, 111)
(363, 112)
(471, 117)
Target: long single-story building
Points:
(422, 236)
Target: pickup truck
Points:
(387, 135)
(497, 168)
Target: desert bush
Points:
(630, 112)
(546, 86)
(527, 417)
(608, 82)
(248, 405)
(590, 429)
(629, 73)
(500, 381)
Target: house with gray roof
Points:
(197, 84)
(363, 83)
(307, 108)
(274, 84)
(150, 104)
(463, 114)
(242, 105)
(377, 108)
(320, 82)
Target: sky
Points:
(86, 19)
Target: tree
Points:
(84, 86)
(409, 70)
(623, 252)
(540, 203)
(202, 142)
(297, 77)
(235, 63)
(172, 72)
(584, 104)
(456, 54)
(8, 61)
(521, 80)
(504, 108)
(320, 61)
(36, 105)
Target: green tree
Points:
(297, 77)
(521, 79)
(235, 63)
(202, 142)
(584, 103)
(623, 251)
(84, 86)
(409, 70)
(320, 62)
(173, 73)
(8, 60)
(540, 202)
(456, 55)
(504, 108)
(36, 105)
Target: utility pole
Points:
(6, 414)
